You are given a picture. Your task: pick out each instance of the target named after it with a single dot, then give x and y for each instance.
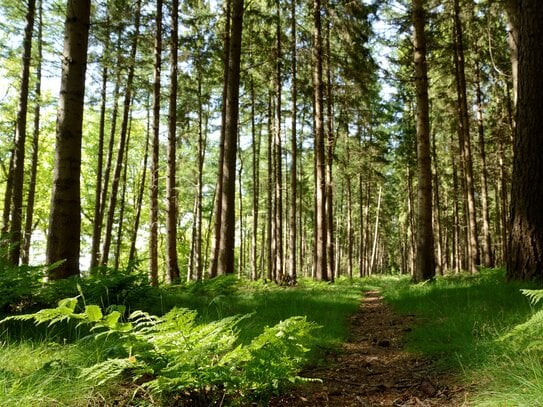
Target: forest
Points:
(208, 189)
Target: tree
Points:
(153, 227)
(127, 104)
(225, 263)
(464, 139)
(29, 217)
(525, 254)
(20, 139)
(292, 271)
(171, 211)
(320, 159)
(425, 265)
(64, 221)
(218, 204)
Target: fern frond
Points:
(534, 295)
(527, 336)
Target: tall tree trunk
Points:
(141, 191)
(437, 210)
(213, 263)
(465, 142)
(277, 147)
(292, 271)
(456, 262)
(320, 159)
(202, 142)
(503, 195)
(122, 205)
(242, 231)
(487, 257)
(65, 215)
(99, 195)
(350, 238)
(255, 143)
(525, 255)
(122, 141)
(375, 234)
(29, 216)
(411, 232)
(153, 218)
(513, 27)
(109, 160)
(226, 258)
(425, 268)
(20, 140)
(4, 235)
(330, 254)
(361, 227)
(171, 187)
(269, 204)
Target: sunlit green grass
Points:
(43, 372)
(460, 321)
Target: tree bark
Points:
(29, 217)
(20, 139)
(513, 27)
(141, 192)
(425, 265)
(525, 255)
(330, 252)
(153, 218)
(98, 194)
(213, 263)
(256, 185)
(464, 139)
(277, 152)
(226, 257)
(171, 187)
(127, 104)
(65, 216)
(487, 256)
(292, 271)
(320, 159)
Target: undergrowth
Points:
(223, 341)
(482, 328)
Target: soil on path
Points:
(372, 369)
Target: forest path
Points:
(372, 369)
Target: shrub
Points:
(173, 354)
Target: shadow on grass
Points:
(459, 317)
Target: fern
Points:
(528, 336)
(534, 295)
(174, 353)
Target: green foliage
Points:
(473, 326)
(18, 285)
(174, 353)
(528, 336)
(67, 360)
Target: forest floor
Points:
(373, 369)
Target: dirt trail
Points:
(372, 369)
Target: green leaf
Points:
(69, 303)
(93, 312)
(111, 319)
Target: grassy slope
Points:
(460, 322)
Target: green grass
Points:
(44, 374)
(42, 369)
(460, 322)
